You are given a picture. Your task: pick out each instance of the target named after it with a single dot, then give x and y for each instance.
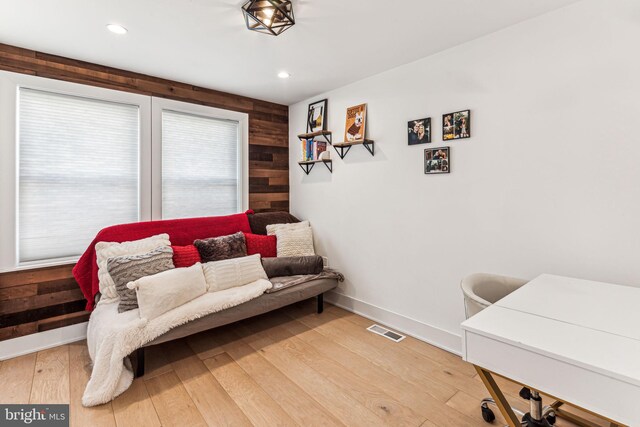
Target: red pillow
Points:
(259, 244)
(185, 256)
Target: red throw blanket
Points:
(181, 232)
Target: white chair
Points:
(480, 291)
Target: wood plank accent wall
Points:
(38, 300)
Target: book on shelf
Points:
(312, 150)
(307, 150)
(318, 148)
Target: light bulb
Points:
(117, 29)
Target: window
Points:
(76, 158)
(200, 174)
(198, 160)
(78, 171)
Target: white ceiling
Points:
(205, 42)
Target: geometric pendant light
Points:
(268, 16)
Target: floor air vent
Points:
(393, 336)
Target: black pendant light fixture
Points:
(268, 16)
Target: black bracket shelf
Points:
(308, 166)
(326, 134)
(343, 148)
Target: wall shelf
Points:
(326, 134)
(342, 148)
(307, 166)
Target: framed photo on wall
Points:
(456, 125)
(355, 125)
(419, 131)
(437, 160)
(317, 116)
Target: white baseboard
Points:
(42, 340)
(433, 335)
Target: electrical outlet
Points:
(325, 262)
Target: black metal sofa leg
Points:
(139, 363)
(320, 303)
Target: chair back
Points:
(481, 290)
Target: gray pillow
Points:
(127, 268)
(292, 266)
(219, 248)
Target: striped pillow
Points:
(128, 268)
(230, 273)
(185, 256)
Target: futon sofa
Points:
(184, 232)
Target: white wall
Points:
(548, 183)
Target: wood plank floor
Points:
(286, 368)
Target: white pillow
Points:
(294, 243)
(106, 250)
(274, 228)
(165, 291)
(230, 273)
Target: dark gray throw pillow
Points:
(219, 248)
(292, 266)
(127, 268)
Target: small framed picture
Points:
(355, 125)
(456, 125)
(437, 160)
(317, 116)
(419, 131)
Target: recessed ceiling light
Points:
(284, 75)
(117, 29)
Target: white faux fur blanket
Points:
(112, 336)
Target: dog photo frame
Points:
(355, 126)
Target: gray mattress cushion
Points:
(260, 305)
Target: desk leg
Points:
(496, 393)
(575, 419)
(512, 419)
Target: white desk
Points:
(576, 340)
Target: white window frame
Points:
(158, 105)
(150, 153)
(10, 83)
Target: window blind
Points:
(199, 165)
(78, 171)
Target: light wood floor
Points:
(289, 367)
